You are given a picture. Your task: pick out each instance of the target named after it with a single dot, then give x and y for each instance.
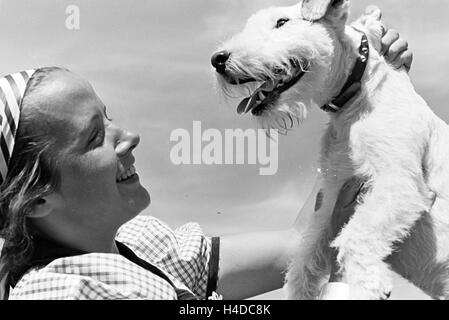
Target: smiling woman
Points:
(93, 154)
(68, 187)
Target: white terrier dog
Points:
(293, 58)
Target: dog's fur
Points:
(387, 135)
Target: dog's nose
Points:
(219, 61)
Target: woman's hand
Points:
(343, 211)
(394, 48)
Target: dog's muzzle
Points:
(267, 94)
(219, 60)
(271, 89)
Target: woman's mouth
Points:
(127, 176)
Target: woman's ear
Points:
(46, 205)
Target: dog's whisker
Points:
(285, 124)
(291, 120)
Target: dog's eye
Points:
(281, 22)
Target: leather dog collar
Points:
(356, 76)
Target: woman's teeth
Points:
(127, 174)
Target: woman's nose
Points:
(126, 142)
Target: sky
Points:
(149, 62)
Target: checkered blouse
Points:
(183, 256)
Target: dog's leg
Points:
(386, 215)
(310, 264)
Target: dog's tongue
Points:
(249, 103)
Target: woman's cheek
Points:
(104, 167)
(91, 171)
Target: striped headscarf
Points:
(12, 90)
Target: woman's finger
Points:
(390, 37)
(345, 205)
(405, 59)
(396, 49)
(349, 193)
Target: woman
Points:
(70, 196)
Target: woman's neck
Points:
(89, 238)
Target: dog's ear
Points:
(314, 10)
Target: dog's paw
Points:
(372, 290)
(386, 296)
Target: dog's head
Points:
(285, 58)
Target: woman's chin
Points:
(143, 201)
(138, 201)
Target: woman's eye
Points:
(97, 138)
(281, 22)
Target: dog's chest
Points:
(336, 163)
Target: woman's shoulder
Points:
(154, 241)
(143, 224)
(144, 232)
(92, 276)
(184, 252)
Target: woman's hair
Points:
(32, 175)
